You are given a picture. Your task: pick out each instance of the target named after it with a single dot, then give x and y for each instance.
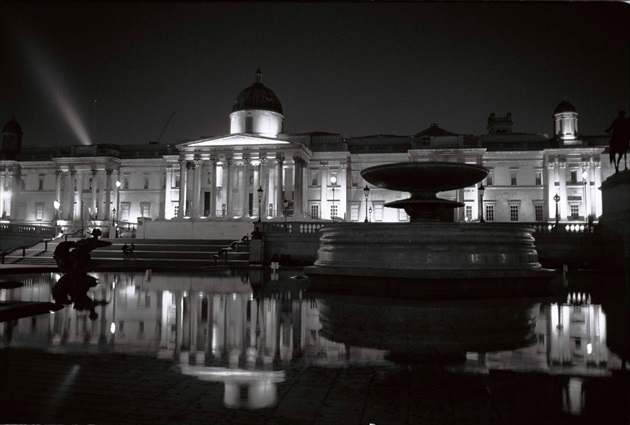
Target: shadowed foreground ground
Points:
(41, 387)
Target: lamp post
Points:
(260, 194)
(366, 193)
(557, 199)
(114, 223)
(285, 204)
(481, 192)
(56, 204)
(333, 183)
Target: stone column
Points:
(3, 210)
(227, 185)
(562, 191)
(245, 185)
(196, 187)
(190, 180)
(79, 212)
(597, 200)
(298, 200)
(68, 203)
(324, 209)
(168, 201)
(209, 353)
(182, 189)
(264, 184)
(550, 181)
(108, 194)
(15, 188)
(94, 206)
(58, 177)
(279, 191)
(213, 188)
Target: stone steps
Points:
(148, 253)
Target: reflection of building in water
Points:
(221, 320)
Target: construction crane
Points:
(168, 121)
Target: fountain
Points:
(428, 256)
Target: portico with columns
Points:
(226, 182)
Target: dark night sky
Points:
(352, 68)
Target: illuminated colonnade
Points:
(225, 184)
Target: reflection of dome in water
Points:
(427, 331)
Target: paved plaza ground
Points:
(39, 387)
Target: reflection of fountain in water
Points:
(428, 256)
(441, 331)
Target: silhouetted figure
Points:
(619, 141)
(73, 259)
(125, 249)
(132, 248)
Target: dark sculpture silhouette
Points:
(73, 259)
(619, 141)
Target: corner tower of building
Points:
(565, 119)
(257, 110)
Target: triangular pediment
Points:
(235, 140)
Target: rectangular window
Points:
(538, 178)
(513, 180)
(573, 176)
(175, 181)
(315, 211)
(489, 213)
(249, 124)
(354, 212)
(314, 178)
(125, 182)
(575, 210)
(468, 213)
(145, 209)
(513, 212)
(490, 179)
(402, 215)
(333, 211)
(145, 179)
(355, 178)
(538, 210)
(41, 182)
(39, 211)
(175, 209)
(125, 208)
(378, 212)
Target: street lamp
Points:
(366, 193)
(285, 203)
(557, 199)
(333, 183)
(114, 223)
(57, 205)
(260, 194)
(481, 191)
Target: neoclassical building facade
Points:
(259, 171)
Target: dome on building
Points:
(13, 127)
(257, 96)
(564, 106)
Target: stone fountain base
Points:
(432, 259)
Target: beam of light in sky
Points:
(48, 76)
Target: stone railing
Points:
(295, 228)
(31, 229)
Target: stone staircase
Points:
(148, 253)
